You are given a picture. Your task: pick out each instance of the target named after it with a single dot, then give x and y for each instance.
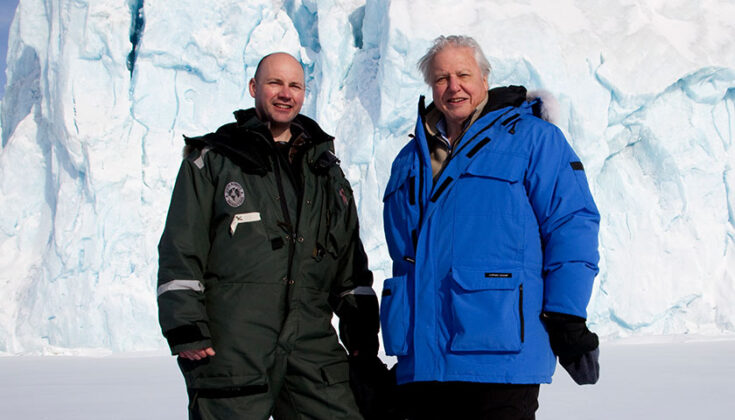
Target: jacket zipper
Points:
(286, 216)
(421, 200)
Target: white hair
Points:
(456, 41)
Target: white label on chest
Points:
(243, 218)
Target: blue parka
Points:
(508, 230)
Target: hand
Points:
(586, 369)
(197, 354)
(569, 336)
(358, 326)
(576, 346)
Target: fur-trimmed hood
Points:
(543, 105)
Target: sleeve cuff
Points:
(196, 345)
(187, 334)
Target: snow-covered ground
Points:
(659, 378)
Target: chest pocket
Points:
(491, 203)
(490, 181)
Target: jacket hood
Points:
(239, 140)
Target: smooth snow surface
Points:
(100, 93)
(665, 380)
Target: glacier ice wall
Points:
(100, 92)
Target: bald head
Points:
(281, 58)
(278, 89)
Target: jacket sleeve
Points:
(183, 252)
(568, 221)
(357, 305)
(353, 297)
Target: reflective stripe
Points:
(361, 290)
(199, 162)
(194, 285)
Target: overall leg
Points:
(316, 387)
(246, 402)
(217, 404)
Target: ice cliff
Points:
(100, 92)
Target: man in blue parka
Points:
(493, 235)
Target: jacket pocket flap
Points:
(509, 168)
(476, 279)
(399, 175)
(336, 373)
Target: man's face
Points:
(457, 83)
(278, 89)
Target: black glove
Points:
(576, 346)
(359, 324)
(374, 387)
(586, 370)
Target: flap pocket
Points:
(475, 279)
(501, 166)
(336, 373)
(397, 178)
(487, 311)
(395, 316)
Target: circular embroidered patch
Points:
(234, 194)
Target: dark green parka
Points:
(258, 252)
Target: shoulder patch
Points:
(343, 196)
(234, 194)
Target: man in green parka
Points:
(261, 246)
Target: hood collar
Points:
(232, 141)
(248, 119)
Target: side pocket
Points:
(394, 316)
(336, 373)
(487, 314)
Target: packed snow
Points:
(101, 92)
(669, 378)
